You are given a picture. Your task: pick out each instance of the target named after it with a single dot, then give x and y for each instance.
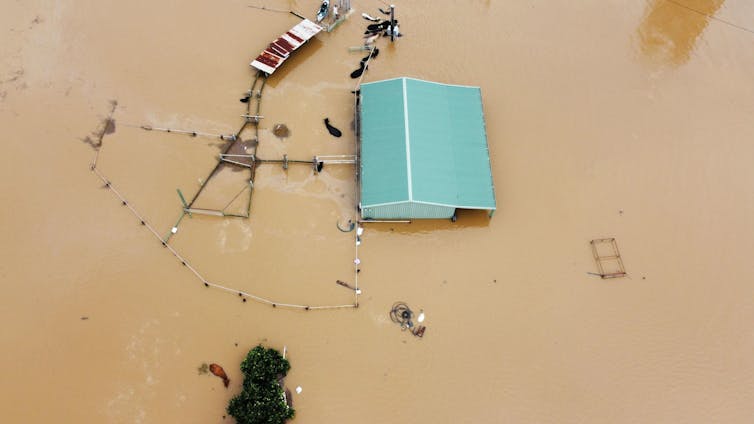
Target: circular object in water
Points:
(281, 131)
(401, 314)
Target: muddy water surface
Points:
(605, 119)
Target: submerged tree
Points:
(261, 400)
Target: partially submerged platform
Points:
(279, 50)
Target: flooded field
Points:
(617, 119)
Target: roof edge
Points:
(421, 80)
(377, 205)
(486, 208)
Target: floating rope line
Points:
(187, 207)
(199, 276)
(712, 17)
(187, 210)
(147, 127)
(269, 9)
(249, 187)
(356, 268)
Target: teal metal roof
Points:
(424, 143)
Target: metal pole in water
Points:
(392, 19)
(183, 199)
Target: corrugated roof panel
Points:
(472, 165)
(291, 40)
(383, 153)
(432, 153)
(442, 152)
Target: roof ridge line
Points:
(408, 143)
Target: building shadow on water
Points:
(465, 219)
(670, 28)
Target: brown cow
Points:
(220, 372)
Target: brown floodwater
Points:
(617, 119)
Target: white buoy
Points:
(298, 389)
(360, 231)
(357, 261)
(174, 230)
(358, 291)
(420, 318)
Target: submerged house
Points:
(423, 150)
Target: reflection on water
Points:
(670, 28)
(466, 218)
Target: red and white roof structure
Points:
(279, 50)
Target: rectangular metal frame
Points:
(613, 258)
